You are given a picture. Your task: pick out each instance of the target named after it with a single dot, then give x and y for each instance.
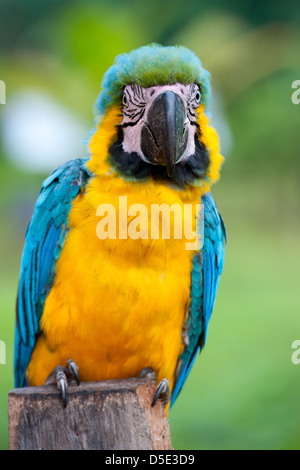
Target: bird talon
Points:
(72, 369)
(148, 373)
(61, 376)
(162, 392)
(62, 384)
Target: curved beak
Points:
(164, 136)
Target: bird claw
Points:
(163, 388)
(148, 373)
(72, 368)
(62, 376)
(62, 384)
(162, 392)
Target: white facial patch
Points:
(136, 104)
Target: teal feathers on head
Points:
(149, 66)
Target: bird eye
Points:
(125, 100)
(198, 97)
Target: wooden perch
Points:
(112, 415)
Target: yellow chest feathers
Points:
(120, 253)
(118, 304)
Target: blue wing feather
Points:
(43, 243)
(205, 277)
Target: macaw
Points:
(116, 307)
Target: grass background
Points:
(243, 392)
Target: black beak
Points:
(164, 136)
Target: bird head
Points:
(161, 95)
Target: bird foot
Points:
(148, 373)
(61, 376)
(162, 390)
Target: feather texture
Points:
(149, 66)
(205, 276)
(44, 241)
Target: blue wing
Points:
(205, 276)
(43, 243)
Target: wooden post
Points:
(111, 415)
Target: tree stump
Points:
(111, 415)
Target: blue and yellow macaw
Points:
(107, 307)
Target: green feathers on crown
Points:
(149, 66)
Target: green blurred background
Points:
(244, 391)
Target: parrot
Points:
(95, 306)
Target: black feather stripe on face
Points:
(186, 173)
